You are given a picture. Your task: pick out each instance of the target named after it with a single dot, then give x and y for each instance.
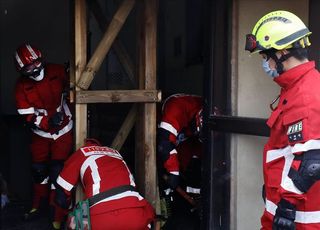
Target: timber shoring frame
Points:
(145, 99)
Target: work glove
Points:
(56, 120)
(173, 181)
(285, 216)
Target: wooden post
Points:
(80, 63)
(146, 141)
(105, 44)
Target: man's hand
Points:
(285, 216)
(56, 120)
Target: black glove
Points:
(61, 198)
(285, 216)
(56, 120)
(173, 181)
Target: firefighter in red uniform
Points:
(40, 100)
(181, 118)
(179, 153)
(109, 187)
(291, 160)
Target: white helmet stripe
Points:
(19, 60)
(34, 55)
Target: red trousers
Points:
(44, 150)
(139, 218)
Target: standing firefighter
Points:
(39, 99)
(112, 201)
(291, 160)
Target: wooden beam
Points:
(80, 55)
(105, 44)
(118, 47)
(125, 129)
(117, 96)
(80, 63)
(147, 38)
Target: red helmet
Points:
(28, 60)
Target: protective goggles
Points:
(32, 69)
(252, 44)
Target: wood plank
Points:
(80, 63)
(125, 129)
(119, 49)
(105, 44)
(147, 73)
(117, 96)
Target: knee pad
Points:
(39, 173)
(55, 168)
(164, 146)
(309, 171)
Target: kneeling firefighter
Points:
(112, 201)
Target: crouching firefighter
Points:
(112, 201)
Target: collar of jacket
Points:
(289, 77)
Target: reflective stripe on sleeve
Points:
(168, 127)
(64, 184)
(301, 217)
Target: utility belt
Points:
(79, 218)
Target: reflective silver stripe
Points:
(61, 132)
(121, 195)
(193, 190)
(286, 181)
(299, 147)
(45, 181)
(308, 217)
(168, 127)
(173, 151)
(26, 111)
(34, 55)
(64, 184)
(18, 59)
(288, 154)
(38, 121)
(91, 162)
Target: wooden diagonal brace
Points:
(105, 44)
(118, 47)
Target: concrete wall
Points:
(252, 92)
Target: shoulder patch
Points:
(295, 132)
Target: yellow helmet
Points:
(278, 30)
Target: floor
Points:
(12, 218)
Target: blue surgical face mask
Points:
(266, 68)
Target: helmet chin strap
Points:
(279, 65)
